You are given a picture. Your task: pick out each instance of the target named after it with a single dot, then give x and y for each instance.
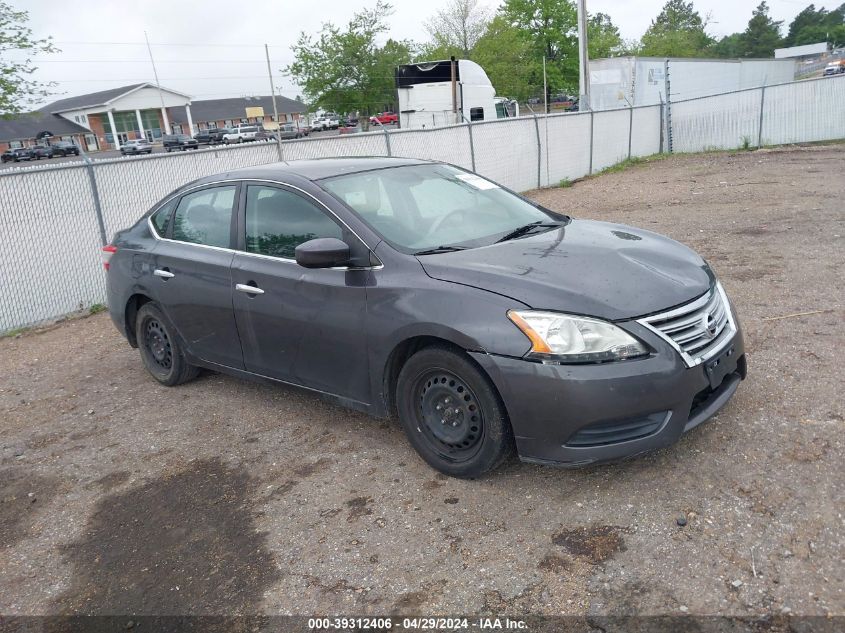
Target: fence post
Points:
(760, 124)
(630, 128)
(668, 87)
(591, 141)
(471, 143)
(387, 140)
(98, 207)
(660, 131)
(539, 151)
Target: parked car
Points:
(240, 134)
(180, 142)
(385, 118)
(42, 151)
(332, 121)
(138, 146)
(17, 155)
(486, 322)
(212, 136)
(318, 125)
(65, 148)
(289, 131)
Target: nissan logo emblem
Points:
(710, 326)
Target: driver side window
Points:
(278, 220)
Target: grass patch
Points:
(631, 162)
(97, 308)
(16, 332)
(565, 183)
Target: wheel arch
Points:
(406, 348)
(130, 314)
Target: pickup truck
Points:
(385, 118)
(835, 68)
(211, 136)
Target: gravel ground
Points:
(121, 496)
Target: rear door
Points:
(304, 326)
(193, 278)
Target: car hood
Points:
(610, 271)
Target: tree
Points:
(549, 28)
(729, 47)
(507, 57)
(817, 25)
(345, 70)
(603, 37)
(458, 27)
(19, 93)
(677, 31)
(762, 36)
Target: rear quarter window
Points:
(161, 218)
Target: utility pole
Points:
(158, 85)
(454, 77)
(545, 89)
(275, 109)
(583, 58)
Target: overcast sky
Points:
(214, 48)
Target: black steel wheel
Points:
(452, 413)
(449, 416)
(160, 349)
(157, 344)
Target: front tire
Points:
(452, 413)
(160, 349)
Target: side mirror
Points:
(324, 252)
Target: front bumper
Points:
(575, 415)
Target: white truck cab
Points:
(425, 95)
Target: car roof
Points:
(315, 169)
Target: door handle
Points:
(164, 274)
(250, 290)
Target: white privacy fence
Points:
(55, 218)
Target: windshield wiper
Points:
(527, 228)
(441, 249)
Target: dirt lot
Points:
(221, 496)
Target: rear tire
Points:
(452, 413)
(160, 349)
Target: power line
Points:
(81, 43)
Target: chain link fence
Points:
(55, 218)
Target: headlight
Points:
(573, 339)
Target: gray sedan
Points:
(488, 324)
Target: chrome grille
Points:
(699, 329)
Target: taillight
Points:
(108, 251)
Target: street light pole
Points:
(158, 85)
(583, 58)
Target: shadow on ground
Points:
(181, 544)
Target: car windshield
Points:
(418, 208)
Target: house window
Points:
(15, 144)
(476, 114)
(228, 123)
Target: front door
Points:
(193, 278)
(304, 326)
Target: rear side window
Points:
(476, 114)
(161, 218)
(277, 221)
(205, 217)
